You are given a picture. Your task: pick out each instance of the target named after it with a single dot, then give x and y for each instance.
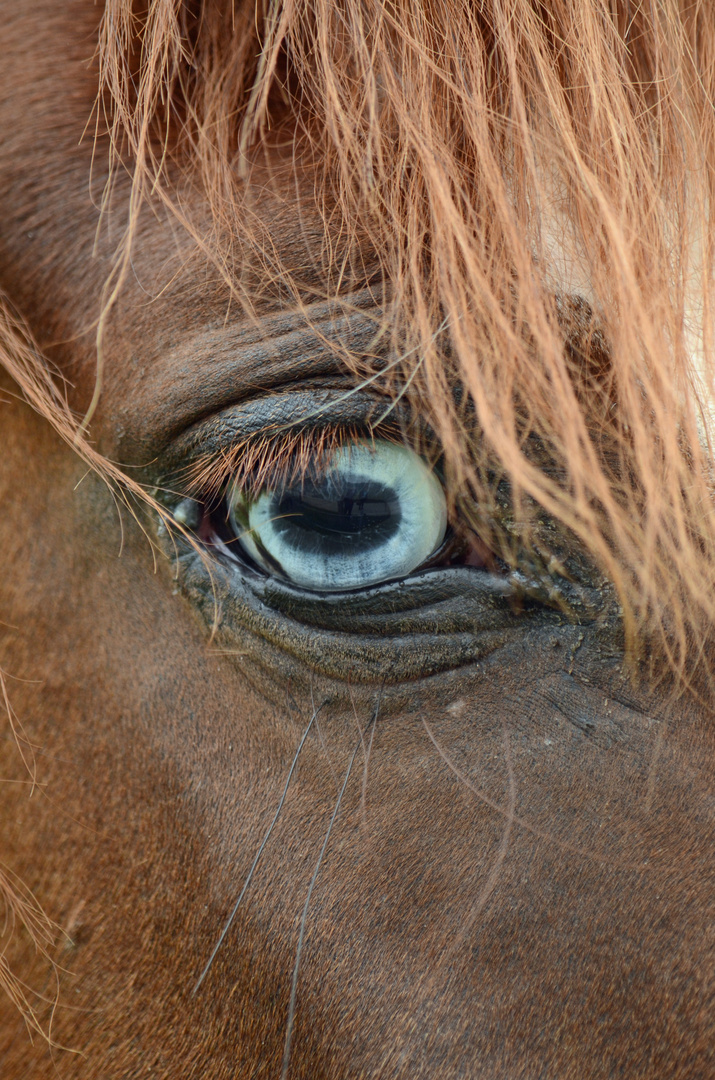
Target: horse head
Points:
(358, 569)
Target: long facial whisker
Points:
(507, 811)
(493, 875)
(318, 728)
(368, 753)
(247, 882)
(301, 934)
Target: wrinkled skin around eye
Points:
(518, 881)
(376, 513)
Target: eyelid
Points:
(268, 429)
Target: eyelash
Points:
(269, 460)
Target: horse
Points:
(358, 561)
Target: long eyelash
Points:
(272, 459)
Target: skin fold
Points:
(518, 880)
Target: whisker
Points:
(368, 753)
(489, 884)
(247, 882)
(322, 741)
(301, 935)
(507, 811)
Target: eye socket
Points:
(374, 512)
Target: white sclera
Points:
(421, 529)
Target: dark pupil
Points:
(337, 515)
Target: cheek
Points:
(520, 864)
(530, 851)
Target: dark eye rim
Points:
(211, 540)
(429, 585)
(446, 574)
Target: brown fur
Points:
(518, 880)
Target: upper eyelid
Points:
(276, 417)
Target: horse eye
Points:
(374, 512)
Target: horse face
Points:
(463, 841)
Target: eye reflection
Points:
(376, 512)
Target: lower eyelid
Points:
(464, 573)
